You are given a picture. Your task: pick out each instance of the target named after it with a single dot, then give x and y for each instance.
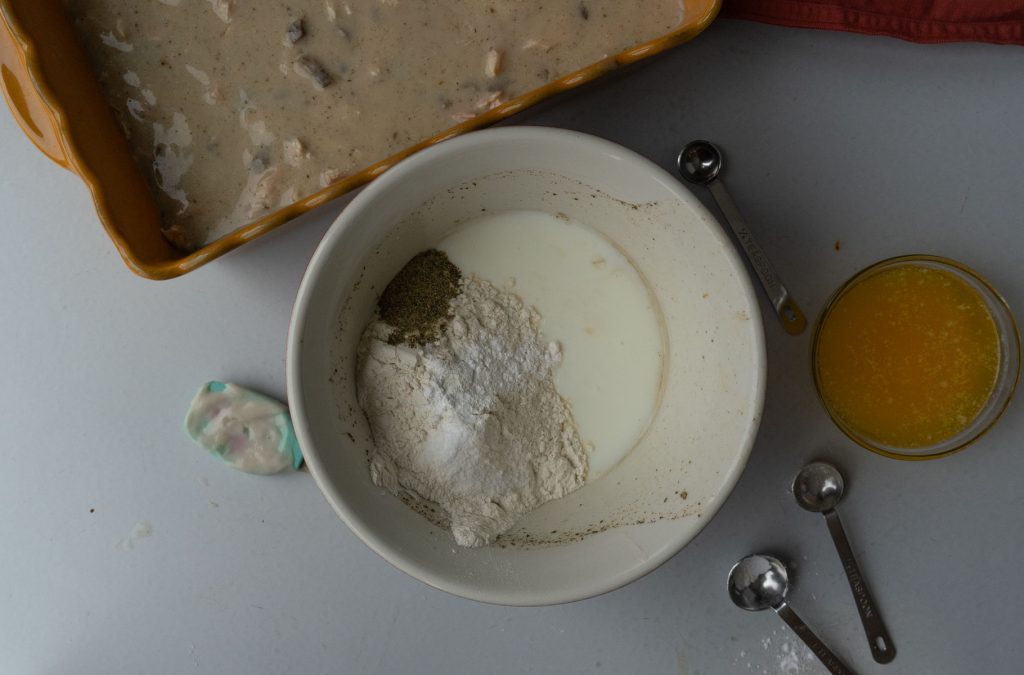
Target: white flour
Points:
(781, 657)
(472, 421)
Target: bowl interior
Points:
(1006, 377)
(656, 499)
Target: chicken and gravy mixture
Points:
(237, 108)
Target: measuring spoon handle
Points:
(882, 648)
(793, 320)
(831, 661)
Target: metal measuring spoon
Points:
(818, 488)
(760, 581)
(700, 162)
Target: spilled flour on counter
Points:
(141, 530)
(783, 655)
(471, 420)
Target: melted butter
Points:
(908, 356)
(594, 303)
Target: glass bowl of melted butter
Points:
(916, 357)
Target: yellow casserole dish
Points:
(56, 99)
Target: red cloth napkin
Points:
(998, 21)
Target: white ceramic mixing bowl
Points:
(652, 503)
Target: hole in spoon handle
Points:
(793, 320)
(882, 648)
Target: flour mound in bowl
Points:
(472, 420)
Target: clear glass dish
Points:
(1006, 378)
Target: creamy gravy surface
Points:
(235, 108)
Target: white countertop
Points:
(887, 146)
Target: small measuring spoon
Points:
(700, 162)
(818, 488)
(760, 581)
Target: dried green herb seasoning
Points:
(416, 301)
